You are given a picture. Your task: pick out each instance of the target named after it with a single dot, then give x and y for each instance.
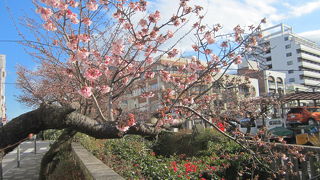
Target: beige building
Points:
(145, 106)
(2, 88)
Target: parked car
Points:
(304, 115)
(245, 123)
(270, 123)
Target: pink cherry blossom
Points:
(127, 26)
(238, 60)
(73, 45)
(52, 3)
(84, 38)
(105, 89)
(125, 80)
(165, 75)
(63, 6)
(92, 74)
(214, 57)
(117, 47)
(143, 22)
(188, 100)
(210, 40)
(173, 53)
(195, 47)
(161, 39)
(92, 5)
(69, 72)
(72, 58)
(207, 51)
(139, 46)
(58, 15)
(155, 17)
(72, 16)
(55, 42)
(50, 26)
(82, 54)
(87, 21)
(171, 92)
(224, 44)
(149, 60)
(169, 34)
(45, 13)
(149, 75)
(103, 2)
(193, 77)
(107, 59)
(85, 91)
(147, 95)
(117, 14)
(73, 3)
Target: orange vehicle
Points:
(304, 115)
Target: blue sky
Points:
(303, 16)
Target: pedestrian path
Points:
(28, 170)
(29, 161)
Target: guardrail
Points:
(91, 166)
(299, 169)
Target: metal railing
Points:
(19, 155)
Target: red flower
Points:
(189, 167)
(174, 166)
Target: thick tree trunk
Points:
(47, 163)
(54, 117)
(1, 158)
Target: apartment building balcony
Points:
(311, 74)
(309, 57)
(310, 82)
(310, 65)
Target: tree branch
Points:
(54, 117)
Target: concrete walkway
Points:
(29, 161)
(28, 170)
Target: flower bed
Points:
(206, 155)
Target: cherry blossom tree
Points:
(91, 54)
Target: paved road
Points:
(29, 164)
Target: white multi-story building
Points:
(2, 88)
(287, 52)
(270, 82)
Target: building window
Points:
(289, 54)
(269, 66)
(268, 58)
(290, 71)
(154, 86)
(268, 50)
(301, 77)
(279, 80)
(286, 38)
(289, 63)
(292, 80)
(288, 46)
(271, 80)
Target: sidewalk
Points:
(29, 168)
